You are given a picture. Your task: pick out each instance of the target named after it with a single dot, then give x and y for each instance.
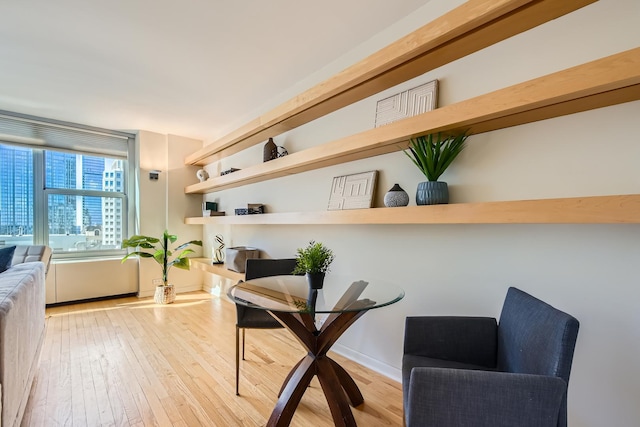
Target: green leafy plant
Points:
(433, 153)
(315, 258)
(161, 252)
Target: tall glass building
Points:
(76, 221)
(16, 191)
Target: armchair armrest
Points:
(466, 398)
(472, 340)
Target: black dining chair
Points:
(477, 372)
(254, 318)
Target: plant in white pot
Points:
(433, 154)
(160, 251)
(314, 261)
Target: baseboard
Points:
(373, 364)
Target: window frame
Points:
(41, 193)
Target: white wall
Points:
(590, 271)
(163, 204)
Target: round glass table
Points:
(317, 318)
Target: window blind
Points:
(25, 130)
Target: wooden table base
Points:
(339, 388)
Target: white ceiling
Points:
(188, 68)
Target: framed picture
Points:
(409, 103)
(352, 191)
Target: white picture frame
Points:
(409, 103)
(352, 191)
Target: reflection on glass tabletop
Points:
(292, 294)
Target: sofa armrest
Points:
(465, 398)
(470, 340)
(32, 253)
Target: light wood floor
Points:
(130, 362)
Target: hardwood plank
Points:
(466, 29)
(573, 210)
(604, 82)
(174, 365)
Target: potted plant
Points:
(433, 154)
(314, 261)
(160, 251)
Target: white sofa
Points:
(22, 325)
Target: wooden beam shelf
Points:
(466, 29)
(604, 82)
(618, 209)
(205, 264)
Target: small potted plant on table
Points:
(314, 261)
(165, 292)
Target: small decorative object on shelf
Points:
(409, 103)
(211, 209)
(236, 257)
(396, 197)
(218, 252)
(270, 151)
(313, 261)
(282, 151)
(202, 175)
(433, 154)
(165, 293)
(352, 191)
(251, 209)
(228, 171)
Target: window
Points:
(58, 189)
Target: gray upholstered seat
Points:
(474, 372)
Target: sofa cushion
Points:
(6, 258)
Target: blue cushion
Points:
(6, 257)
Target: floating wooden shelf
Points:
(469, 28)
(619, 209)
(607, 81)
(219, 269)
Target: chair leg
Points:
(243, 343)
(238, 360)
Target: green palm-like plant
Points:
(433, 154)
(162, 253)
(315, 258)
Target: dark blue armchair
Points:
(473, 371)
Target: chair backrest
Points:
(249, 317)
(263, 267)
(534, 337)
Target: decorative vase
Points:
(202, 175)
(396, 197)
(315, 280)
(432, 193)
(165, 294)
(270, 151)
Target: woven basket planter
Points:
(165, 294)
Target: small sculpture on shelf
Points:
(228, 171)
(218, 252)
(202, 175)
